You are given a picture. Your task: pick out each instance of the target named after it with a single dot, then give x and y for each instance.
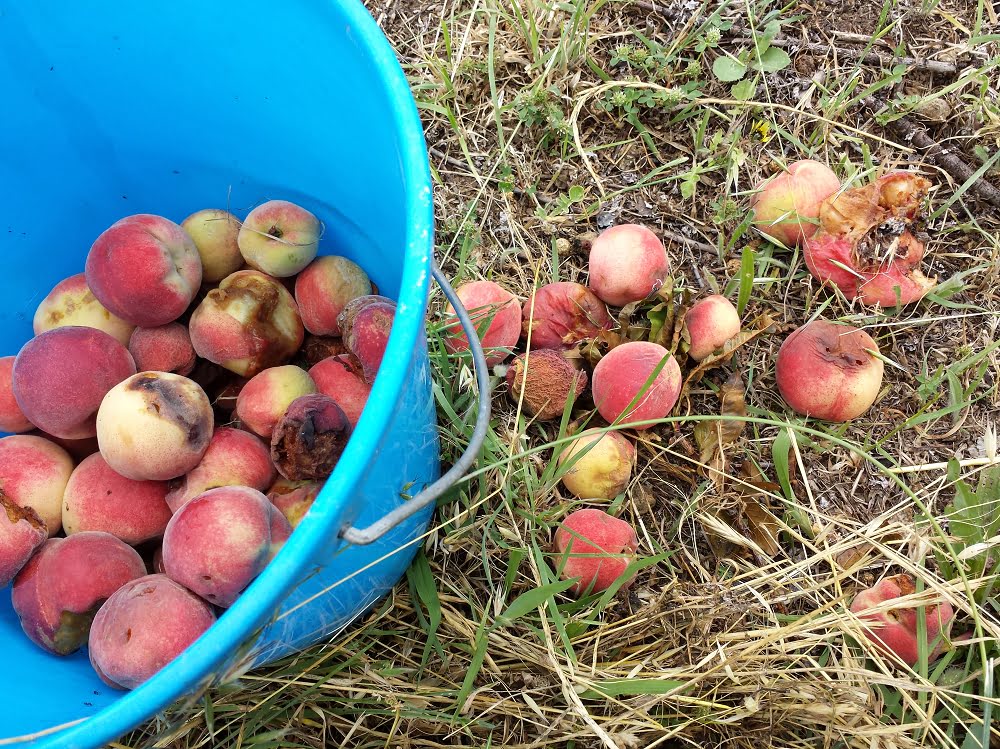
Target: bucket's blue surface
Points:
(122, 107)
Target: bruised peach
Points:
(496, 314)
(893, 629)
(279, 238)
(710, 323)
(595, 549)
(21, 533)
(560, 315)
(33, 473)
(324, 287)
(154, 426)
(787, 206)
(366, 326)
(57, 593)
(233, 458)
(145, 269)
(61, 376)
(71, 302)
(341, 378)
(142, 627)
(248, 324)
(627, 263)
(98, 498)
(544, 382)
(597, 466)
(867, 244)
(163, 349)
(12, 418)
(218, 542)
(829, 371)
(293, 498)
(621, 376)
(214, 233)
(310, 437)
(264, 399)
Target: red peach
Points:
(145, 269)
(163, 349)
(233, 458)
(627, 263)
(309, 439)
(491, 307)
(787, 206)
(21, 533)
(894, 630)
(72, 302)
(217, 543)
(595, 548)
(262, 401)
(12, 418)
(145, 625)
(248, 324)
(281, 531)
(825, 371)
(214, 233)
(279, 238)
(61, 376)
(366, 326)
(324, 287)
(544, 382)
(710, 323)
(33, 473)
(598, 466)
(98, 498)
(621, 376)
(60, 589)
(559, 315)
(294, 498)
(154, 426)
(340, 377)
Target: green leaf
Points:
(771, 31)
(532, 599)
(780, 449)
(422, 580)
(728, 69)
(629, 687)
(773, 60)
(475, 665)
(576, 193)
(746, 279)
(744, 90)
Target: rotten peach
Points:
(309, 438)
(266, 397)
(627, 263)
(595, 549)
(709, 324)
(560, 315)
(33, 473)
(829, 371)
(279, 238)
(154, 426)
(324, 287)
(341, 378)
(12, 418)
(145, 269)
(214, 234)
(622, 388)
(71, 302)
(21, 533)
(163, 349)
(544, 382)
(786, 207)
(496, 314)
(365, 324)
(597, 465)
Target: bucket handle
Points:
(364, 536)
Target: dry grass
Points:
(538, 138)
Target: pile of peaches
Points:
(867, 241)
(129, 515)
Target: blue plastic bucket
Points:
(123, 107)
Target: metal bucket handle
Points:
(364, 536)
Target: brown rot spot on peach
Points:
(128, 635)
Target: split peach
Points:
(21, 533)
(61, 376)
(787, 206)
(33, 473)
(310, 437)
(627, 263)
(214, 232)
(265, 398)
(597, 466)
(98, 498)
(163, 349)
(365, 324)
(294, 498)
(595, 549)
(496, 314)
(72, 302)
(709, 324)
(279, 238)
(142, 627)
(154, 426)
(560, 315)
(145, 269)
(324, 287)
(12, 418)
(234, 458)
(829, 371)
(342, 378)
(621, 376)
(62, 586)
(544, 382)
(248, 324)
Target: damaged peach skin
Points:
(867, 244)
